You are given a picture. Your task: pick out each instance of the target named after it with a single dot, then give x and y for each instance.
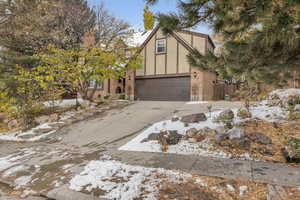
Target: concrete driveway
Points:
(120, 123)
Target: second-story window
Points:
(161, 46)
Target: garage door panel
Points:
(163, 89)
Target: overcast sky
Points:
(132, 10)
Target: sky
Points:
(131, 11)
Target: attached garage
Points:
(163, 88)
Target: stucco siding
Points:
(141, 71)
(183, 65)
(160, 64)
(150, 60)
(186, 37)
(199, 44)
(159, 34)
(172, 55)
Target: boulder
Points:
(297, 107)
(276, 192)
(42, 119)
(192, 140)
(175, 118)
(165, 137)
(194, 118)
(54, 117)
(12, 124)
(2, 118)
(221, 137)
(206, 131)
(220, 130)
(242, 144)
(226, 115)
(152, 137)
(268, 150)
(259, 138)
(191, 132)
(236, 134)
(172, 137)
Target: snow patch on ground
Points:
(31, 136)
(204, 148)
(63, 103)
(284, 93)
(196, 102)
(123, 182)
(14, 159)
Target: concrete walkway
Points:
(259, 172)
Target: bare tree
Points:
(109, 28)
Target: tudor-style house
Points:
(166, 74)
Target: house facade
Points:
(166, 74)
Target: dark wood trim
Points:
(206, 46)
(145, 59)
(164, 76)
(177, 57)
(149, 38)
(200, 35)
(166, 56)
(155, 53)
(183, 42)
(108, 86)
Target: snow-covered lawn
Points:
(284, 93)
(63, 103)
(31, 135)
(204, 148)
(123, 182)
(196, 102)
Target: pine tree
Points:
(149, 19)
(261, 37)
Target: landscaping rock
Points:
(12, 124)
(152, 137)
(221, 137)
(206, 131)
(175, 118)
(297, 107)
(2, 118)
(172, 137)
(191, 132)
(242, 144)
(226, 115)
(236, 134)
(259, 138)
(194, 118)
(220, 130)
(268, 150)
(42, 119)
(192, 140)
(54, 117)
(164, 137)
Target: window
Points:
(95, 84)
(161, 46)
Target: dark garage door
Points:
(163, 89)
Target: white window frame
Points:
(161, 43)
(94, 83)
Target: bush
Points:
(106, 97)
(244, 113)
